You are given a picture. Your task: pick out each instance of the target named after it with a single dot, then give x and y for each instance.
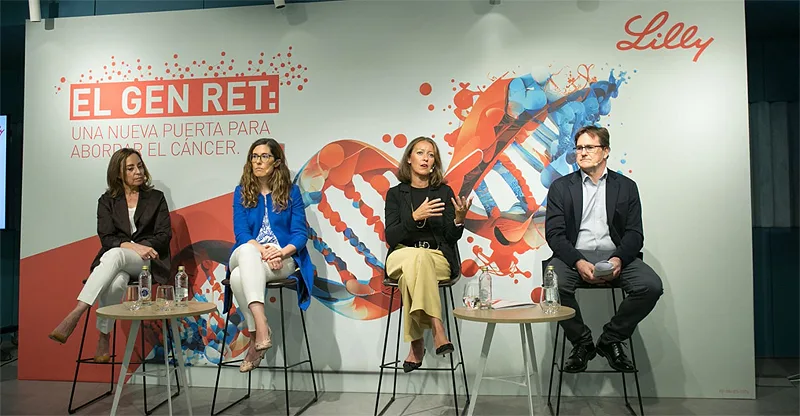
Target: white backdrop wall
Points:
(353, 82)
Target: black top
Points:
(400, 223)
(423, 231)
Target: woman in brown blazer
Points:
(134, 229)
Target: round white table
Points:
(524, 317)
(151, 313)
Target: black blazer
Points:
(153, 228)
(399, 222)
(565, 209)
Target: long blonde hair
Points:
(435, 178)
(280, 182)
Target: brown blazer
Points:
(153, 228)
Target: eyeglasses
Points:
(265, 157)
(589, 149)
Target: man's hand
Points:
(617, 266)
(586, 271)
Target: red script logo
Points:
(675, 37)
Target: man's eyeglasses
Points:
(265, 157)
(589, 148)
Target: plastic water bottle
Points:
(485, 288)
(181, 288)
(145, 286)
(551, 301)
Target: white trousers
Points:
(107, 282)
(249, 277)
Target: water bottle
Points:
(145, 286)
(550, 300)
(485, 288)
(181, 288)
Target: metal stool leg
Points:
(561, 372)
(383, 355)
(446, 311)
(285, 361)
(553, 367)
(460, 351)
(397, 347)
(635, 374)
(624, 381)
(636, 379)
(308, 350)
(78, 363)
(219, 369)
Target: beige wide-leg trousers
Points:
(418, 271)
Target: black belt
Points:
(426, 244)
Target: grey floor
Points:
(776, 396)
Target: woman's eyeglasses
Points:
(265, 157)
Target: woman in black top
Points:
(424, 221)
(135, 230)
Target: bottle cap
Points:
(145, 268)
(551, 268)
(484, 268)
(180, 268)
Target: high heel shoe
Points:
(267, 343)
(60, 338)
(445, 349)
(247, 366)
(102, 359)
(409, 366)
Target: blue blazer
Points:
(289, 226)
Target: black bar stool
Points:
(112, 363)
(228, 306)
(559, 366)
(444, 286)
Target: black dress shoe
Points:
(615, 354)
(579, 358)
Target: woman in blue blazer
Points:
(269, 221)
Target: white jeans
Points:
(249, 277)
(107, 282)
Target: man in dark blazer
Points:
(595, 215)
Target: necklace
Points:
(421, 224)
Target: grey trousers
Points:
(641, 285)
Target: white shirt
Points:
(265, 234)
(132, 211)
(593, 233)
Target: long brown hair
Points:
(115, 173)
(279, 181)
(435, 178)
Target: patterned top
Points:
(265, 234)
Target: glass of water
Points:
(131, 298)
(472, 297)
(165, 298)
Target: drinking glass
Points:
(165, 298)
(131, 298)
(472, 297)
